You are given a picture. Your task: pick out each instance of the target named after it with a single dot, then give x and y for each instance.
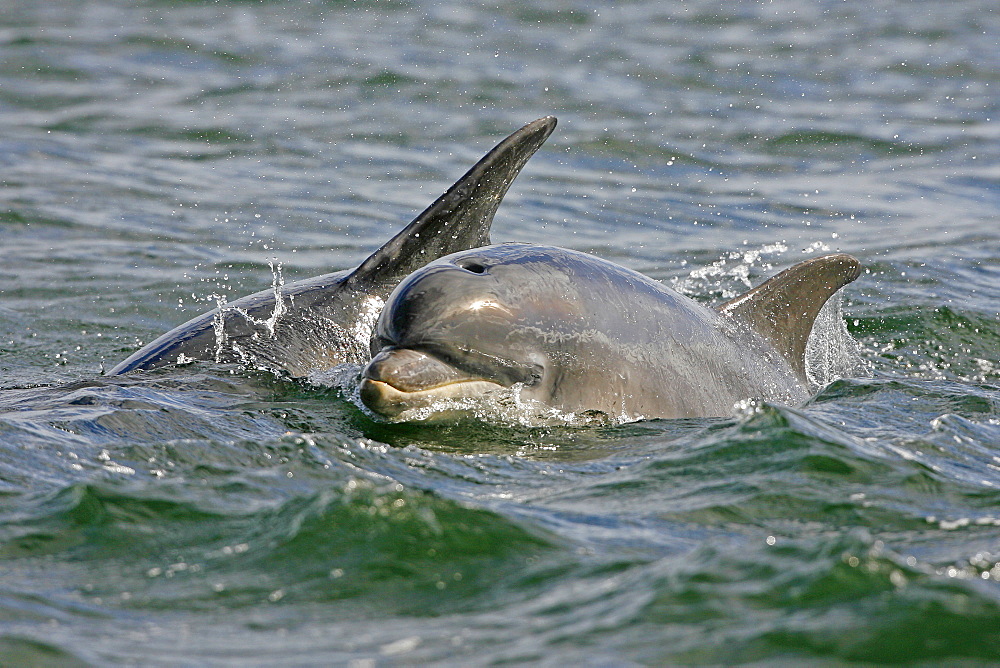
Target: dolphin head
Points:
(460, 327)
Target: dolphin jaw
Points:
(400, 379)
(384, 399)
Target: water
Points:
(157, 156)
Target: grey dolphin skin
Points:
(573, 332)
(321, 322)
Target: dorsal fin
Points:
(460, 219)
(783, 308)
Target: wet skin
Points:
(573, 332)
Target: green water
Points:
(156, 155)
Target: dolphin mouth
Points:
(387, 401)
(400, 379)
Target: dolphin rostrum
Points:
(569, 331)
(318, 323)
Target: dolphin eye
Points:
(473, 266)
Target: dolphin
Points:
(321, 322)
(568, 331)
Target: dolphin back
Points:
(315, 323)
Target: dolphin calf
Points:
(569, 331)
(321, 322)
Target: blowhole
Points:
(474, 267)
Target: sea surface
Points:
(158, 156)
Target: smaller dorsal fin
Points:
(783, 308)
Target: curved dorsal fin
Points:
(783, 308)
(460, 219)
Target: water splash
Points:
(354, 346)
(360, 331)
(280, 308)
(831, 351)
(219, 325)
(733, 267)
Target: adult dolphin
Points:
(573, 332)
(321, 322)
